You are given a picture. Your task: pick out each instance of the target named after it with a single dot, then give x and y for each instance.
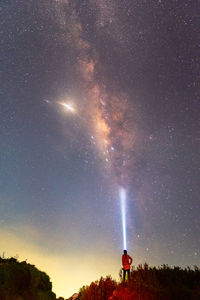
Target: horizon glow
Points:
(122, 193)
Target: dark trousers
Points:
(124, 273)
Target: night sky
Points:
(129, 72)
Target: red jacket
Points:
(126, 261)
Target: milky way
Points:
(109, 112)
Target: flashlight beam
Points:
(123, 214)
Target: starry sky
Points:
(129, 72)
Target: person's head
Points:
(125, 252)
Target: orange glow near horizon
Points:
(68, 272)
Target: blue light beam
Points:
(122, 193)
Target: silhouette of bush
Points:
(98, 290)
(20, 280)
(148, 283)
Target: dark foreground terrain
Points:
(23, 281)
(147, 283)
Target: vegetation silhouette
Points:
(23, 281)
(147, 283)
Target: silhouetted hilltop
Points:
(22, 281)
(147, 283)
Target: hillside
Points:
(147, 283)
(23, 281)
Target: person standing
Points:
(126, 262)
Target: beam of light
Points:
(122, 194)
(68, 106)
